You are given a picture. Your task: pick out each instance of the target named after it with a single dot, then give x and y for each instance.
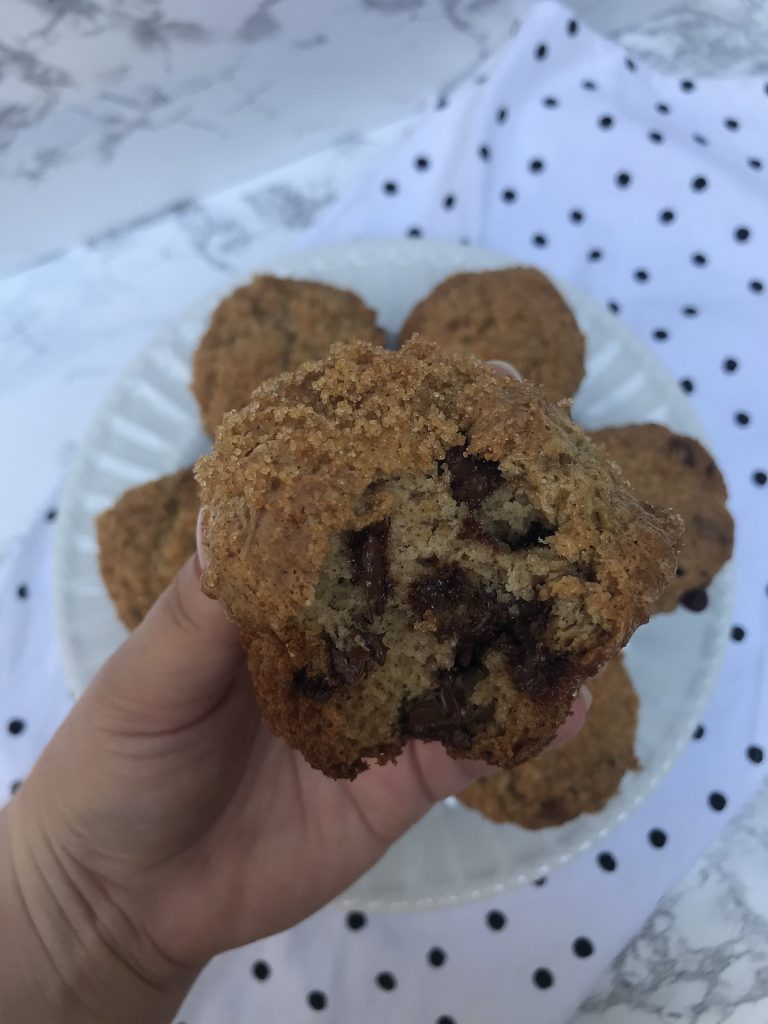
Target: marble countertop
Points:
(702, 958)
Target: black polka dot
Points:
(582, 947)
(501, 115)
(543, 978)
(484, 152)
(756, 286)
(536, 166)
(623, 179)
(15, 787)
(572, 27)
(540, 52)
(261, 970)
(755, 163)
(755, 754)
(656, 137)
(356, 920)
(422, 163)
(687, 85)
(613, 306)
(742, 418)
(509, 195)
(541, 881)
(22, 591)
(390, 187)
(436, 956)
(317, 1000)
(386, 981)
(414, 232)
(594, 255)
(605, 122)
(666, 216)
(641, 275)
(741, 234)
(731, 124)
(442, 103)
(550, 101)
(730, 365)
(702, 140)
(495, 920)
(660, 334)
(759, 478)
(699, 183)
(539, 240)
(449, 201)
(738, 633)
(689, 311)
(662, 108)
(657, 838)
(16, 726)
(607, 861)
(629, 64)
(695, 600)
(687, 385)
(698, 732)
(51, 514)
(576, 216)
(698, 259)
(717, 801)
(589, 85)
(445, 1020)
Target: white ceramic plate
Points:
(148, 426)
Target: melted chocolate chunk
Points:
(443, 713)
(535, 669)
(313, 687)
(349, 666)
(460, 607)
(374, 645)
(472, 478)
(684, 448)
(370, 567)
(695, 600)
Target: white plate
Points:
(148, 426)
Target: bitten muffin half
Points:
(416, 547)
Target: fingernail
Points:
(501, 367)
(201, 555)
(586, 696)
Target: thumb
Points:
(178, 663)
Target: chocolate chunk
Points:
(695, 600)
(461, 607)
(472, 478)
(374, 645)
(535, 669)
(499, 537)
(535, 533)
(368, 555)
(686, 450)
(313, 687)
(443, 713)
(349, 666)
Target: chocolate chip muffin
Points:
(665, 467)
(416, 547)
(144, 539)
(578, 778)
(516, 315)
(266, 327)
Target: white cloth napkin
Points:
(564, 153)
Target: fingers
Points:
(575, 722)
(180, 661)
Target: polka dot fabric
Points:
(648, 192)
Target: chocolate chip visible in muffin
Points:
(144, 539)
(416, 547)
(516, 315)
(578, 778)
(269, 326)
(668, 468)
